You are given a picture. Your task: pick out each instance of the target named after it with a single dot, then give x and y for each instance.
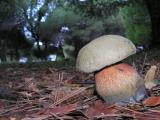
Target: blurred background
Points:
(55, 30)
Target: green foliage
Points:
(98, 17)
(94, 28)
(114, 25)
(61, 16)
(99, 8)
(136, 21)
(58, 18)
(7, 9)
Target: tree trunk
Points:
(17, 56)
(3, 51)
(154, 11)
(3, 56)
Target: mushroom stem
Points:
(120, 83)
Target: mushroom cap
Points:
(104, 51)
(120, 83)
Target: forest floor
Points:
(44, 91)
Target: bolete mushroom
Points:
(115, 82)
(120, 83)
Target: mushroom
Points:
(120, 83)
(104, 51)
(115, 81)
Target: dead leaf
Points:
(12, 118)
(152, 101)
(149, 77)
(137, 114)
(26, 94)
(37, 118)
(33, 87)
(2, 105)
(99, 109)
(60, 110)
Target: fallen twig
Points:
(70, 95)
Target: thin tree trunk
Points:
(154, 11)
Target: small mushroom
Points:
(119, 82)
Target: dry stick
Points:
(156, 89)
(144, 61)
(113, 115)
(60, 78)
(70, 95)
(9, 101)
(133, 111)
(14, 108)
(56, 116)
(25, 109)
(130, 110)
(91, 99)
(45, 117)
(156, 111)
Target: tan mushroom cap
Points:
(104, 51)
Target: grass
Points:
(61, 64)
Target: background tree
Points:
(39, 21)
(7, 22)
(154, 11)
(137, 24)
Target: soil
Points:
(44, 91)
